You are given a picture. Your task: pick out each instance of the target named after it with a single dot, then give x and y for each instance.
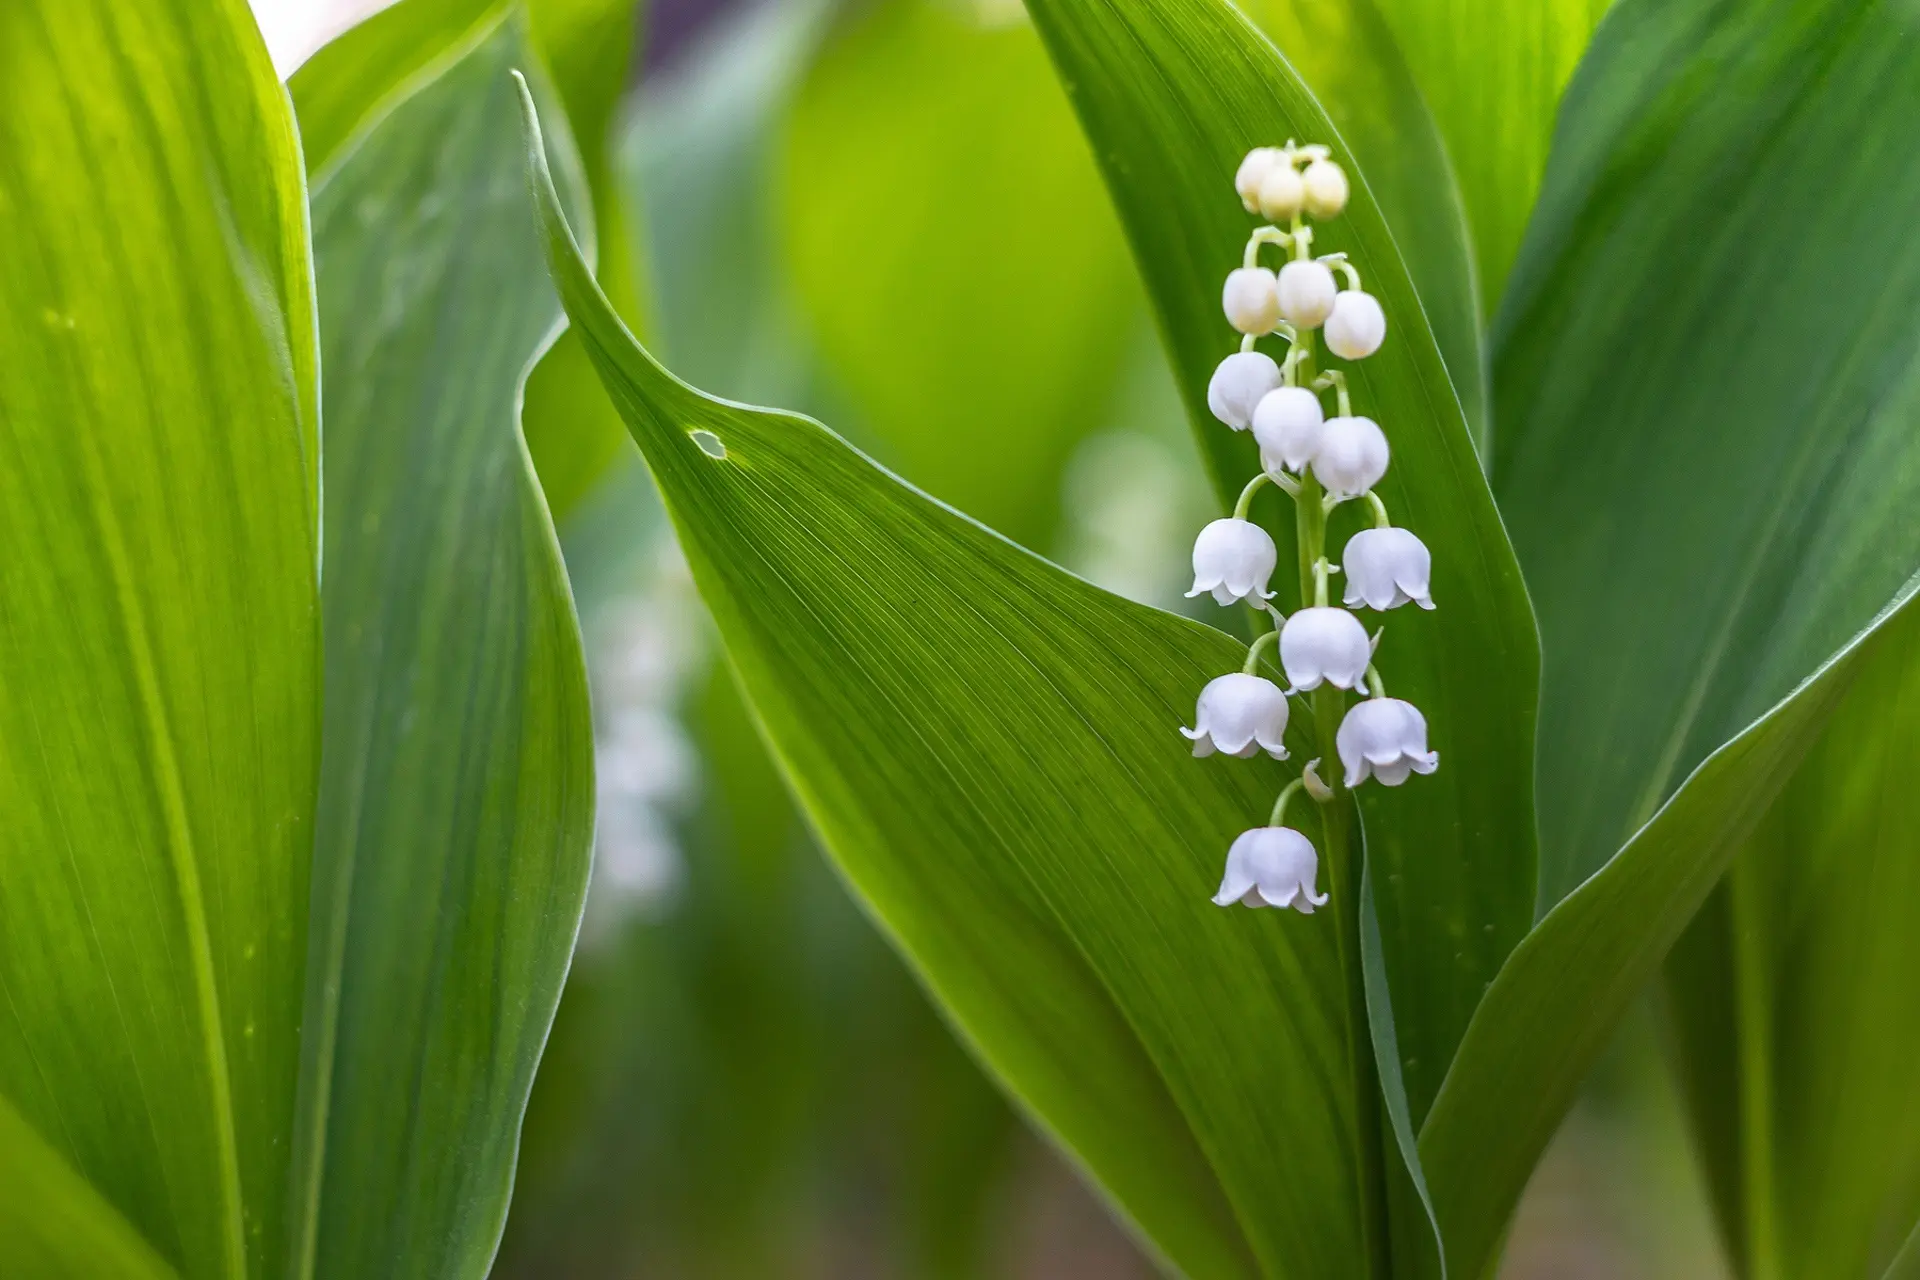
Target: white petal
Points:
(1286, 423)
(1326, 184)
(1281, 193)
(1356, 326)
(1283, 864)
(1253, 171)
(1304, 293)
(1250, 302)
(1352, 456)
(1324, 645)
(1238, 385)
(1386, 568)
(1242, 713)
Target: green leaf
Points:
(1492, 73)
(159, 627)
(54, 1225)
(1347, 55)
(1708, 467)
(940, 218)
(1794, 996)
(456, 790)
(1453, 858)
(988, 749)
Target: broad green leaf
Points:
(572, 432)
(159, 632)
(1492, 72)
(940, 219)
(1794, 997)
(456, 786)
(1706, 459)
(1173, 95)
(988, 749)
(1345, 52)
(54, 1225)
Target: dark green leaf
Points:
(457, 782)
(159, 634)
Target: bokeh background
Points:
(881, 213)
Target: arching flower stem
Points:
(1246, 495)
(1339, 262)
(1250, 257)
(1280, 805)
(1380, 519)
(1375, 685)
(1338, 381)
(1259, 646)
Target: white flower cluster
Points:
(1320, 462)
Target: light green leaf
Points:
(989, 749)
(1492, 72)
(941, 221)
(456, 790)
(1345, 52)
(1710, 479)
(54, 1225)
(159, 625)
(1793, 996)
(1174, 94)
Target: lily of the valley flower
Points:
(1386, 568)
(1271, 867)
(1324, 645)
(1254, 170)
(1356, 326)
(1286, 423)
(1240, 715)
(1239, 384)
(1233, 559)
(1304, 293)
(1384, 738)
(1326, 188)
(1352, 456)
(1250, 302)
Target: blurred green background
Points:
(882, 214)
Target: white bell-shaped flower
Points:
(1254, 170)
(1250, 301)
(1304, 293)
(1384, 738)
(1352, 456)
(1386, 568)
(1240, 715)
(1286, 423)
(1233, 559)
(1282, 193)
(1326, 188)
(1271, 867)
(1238, 385)
(1357, 326)
(1324, 644)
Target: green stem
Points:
(1343, 875)
(1258, 647)
(1246, 495)
(1280, 805)
(1380, 520)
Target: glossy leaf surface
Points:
(159, 635)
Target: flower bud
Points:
(1238, 384)
(1282, 193)
(1286, 423)
(1357, 326)
(1324, 645)
(1250, 302)
(1386, 568)
(1240, 715)
(1384, 738)
(1254, 170)
(1305, 293)
(1233, 559)
(1271, 867)
(1352, 456)
(1326, 188)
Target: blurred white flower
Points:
(1384, 738)
(1253, 171)
(1249, 301)
(1386, 568)
(1240, 715)
(1281, 193)
(1324, 645)
(1233, 559)
(1326, 188)
(1271, 867)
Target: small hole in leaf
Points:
(709, 443)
